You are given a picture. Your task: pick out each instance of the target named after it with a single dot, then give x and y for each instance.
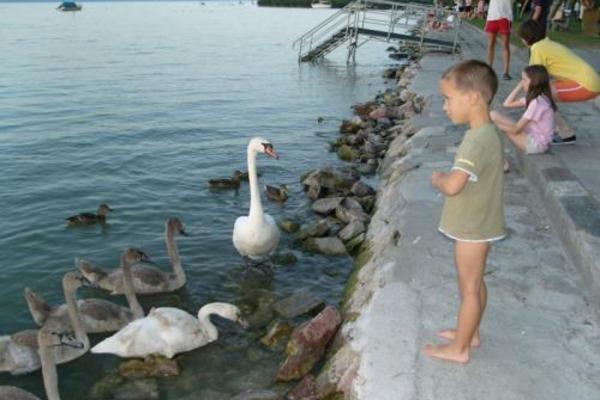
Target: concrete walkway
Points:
(568, 177)
(541, 339)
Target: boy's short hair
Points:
(531, 32)
(474, 76)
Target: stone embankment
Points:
(540, 337)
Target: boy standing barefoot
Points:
(473, 213)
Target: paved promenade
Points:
(541, 332)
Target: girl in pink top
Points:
(533, 132)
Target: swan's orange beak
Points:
(271, 152)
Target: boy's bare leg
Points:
(450, 334)
(470, 265)
(491, 48)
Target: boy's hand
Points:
(436, 178)
(449, 183)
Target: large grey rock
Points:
(351, 230)
(362, 189)
(301, 302)
(315, 192)
(350, 210)
(313, 229)
(355, 242)
(331, 180)
(329, 246)
(327, 205)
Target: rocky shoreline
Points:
(373, 142)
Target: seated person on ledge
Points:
(574, 80)
(533, 132)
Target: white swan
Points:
(146, 278)
(98, 315)
(168, 331)
(19, 351)
(256, 236)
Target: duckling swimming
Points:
(278, 194)
(90, 218)
(227, 183)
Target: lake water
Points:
(139, 104)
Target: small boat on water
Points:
(69, 6)
(321, 4)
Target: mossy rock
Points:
(276, 332)
(363, 256)
(347, 153)
(153, 366)
(103, 388)
(355, 243)
(288, 226)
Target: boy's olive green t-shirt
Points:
(476, 213)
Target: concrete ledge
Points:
(574, 214)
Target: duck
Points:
(98, 315)
(278, 194)
(147, 279)
(256, 235)
(47, 341)
(168, 331)
(19, 352)
(90, 218)
(227, 183)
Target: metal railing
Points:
(380, 20)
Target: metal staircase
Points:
(364, 20)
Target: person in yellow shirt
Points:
(574, 79)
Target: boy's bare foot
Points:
(450, 334)
(446, 352)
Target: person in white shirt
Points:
(499, 22)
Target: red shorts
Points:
(570, 91)
(501, 26)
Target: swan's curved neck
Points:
(74, 315)
(256, 211)
(204, 317)
(173, 253)
(48, 368)
(129, 290)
